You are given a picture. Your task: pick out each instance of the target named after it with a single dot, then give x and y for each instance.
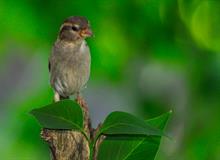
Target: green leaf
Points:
(125, 123)
(65, 114)
(130, 147)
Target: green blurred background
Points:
(148, 56)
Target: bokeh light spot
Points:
(205, 25)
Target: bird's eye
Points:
(75, 28)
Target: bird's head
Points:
(75, 28)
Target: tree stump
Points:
(66, 144)
(70, 144)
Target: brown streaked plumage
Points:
(69, 62)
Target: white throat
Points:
(83, 46)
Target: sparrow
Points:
(69, 62)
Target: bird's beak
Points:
(86, 32)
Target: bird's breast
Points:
(70, 70)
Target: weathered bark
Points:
(96, 149)
(70, 144)
(66, 144)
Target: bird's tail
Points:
(62, 98)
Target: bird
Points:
(70, 59)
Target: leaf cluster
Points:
(126, 136)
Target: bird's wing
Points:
(49, 59)
(49, 65)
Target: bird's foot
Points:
(56, 97)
